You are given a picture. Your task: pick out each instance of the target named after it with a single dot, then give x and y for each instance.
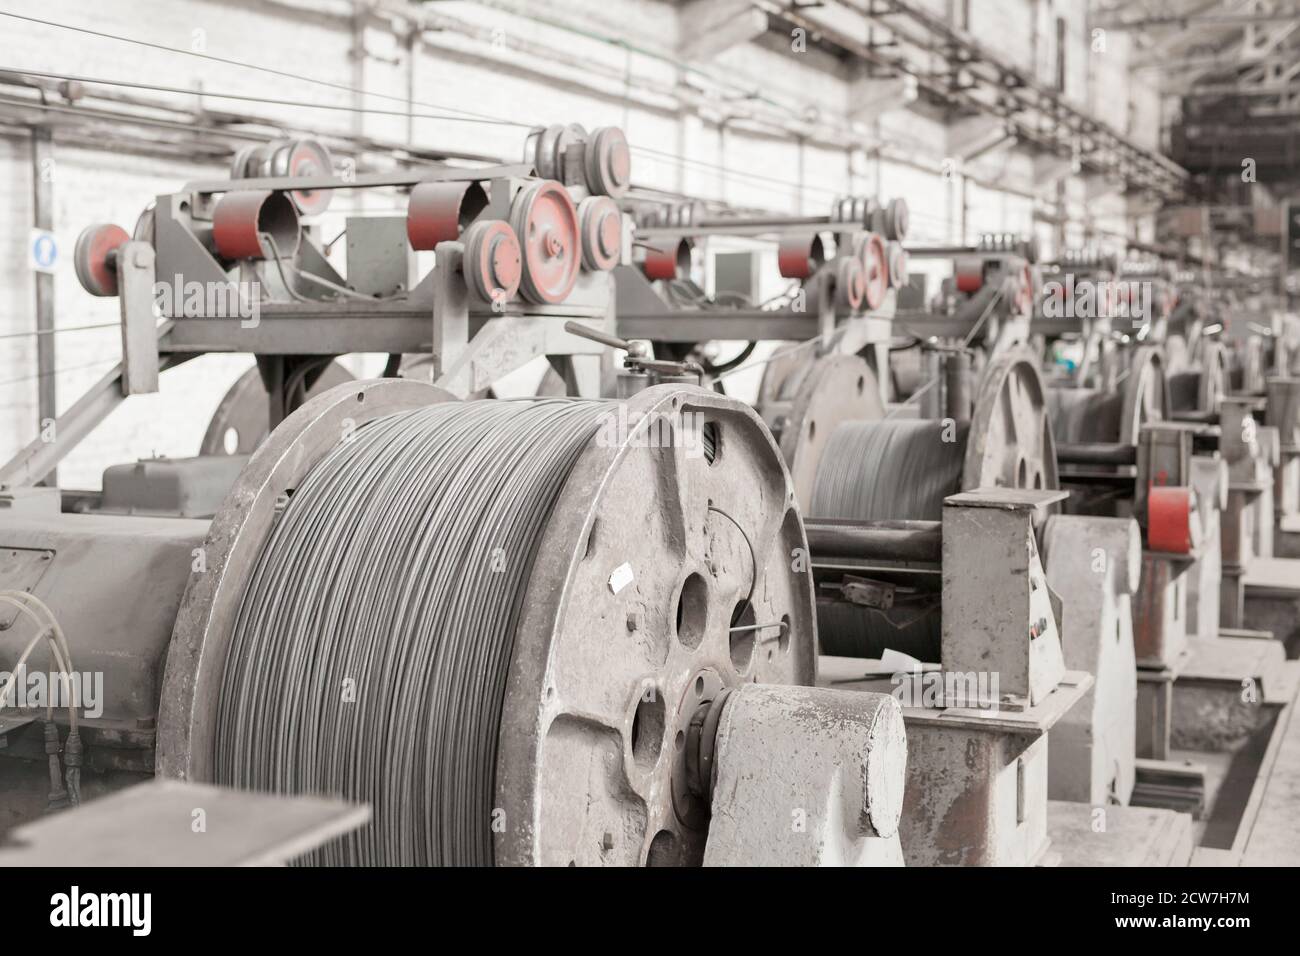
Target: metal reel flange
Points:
(1146, 393)
(816, 396)
(95, 258)
(651, 555)
(608, 162)
(602, 233)
(1010, 444)
(546, 221)
(239, 425)
(197, 655)
(493, 262)
(875, 266)
(1214, 376)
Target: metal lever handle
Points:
(595, 335)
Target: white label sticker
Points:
(621, 577)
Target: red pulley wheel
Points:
(493, 263)
(875, 267)
(602, 233)
(95, 259)
(307, 157)
(546, 221)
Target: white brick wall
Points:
(514, 77)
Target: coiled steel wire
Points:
(371, 652)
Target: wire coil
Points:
(372, 648)
(897, 469)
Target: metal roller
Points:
(798, 257)
(256, 224)
(667, 259)
(496, 622)
(437, 212)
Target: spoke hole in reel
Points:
(692, 610)
(664, 850)
(743, 642)
(648, 728)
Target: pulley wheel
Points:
(545, 148)
(875, 266)
(602, 233)
(608, 162)
(850, 284)
(309, 157)
(493, 262)
(898, 263)
(545, 220)
(891, 220)
(95, 258)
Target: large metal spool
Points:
(804, 401)
(616, 632)
(241, 421)
(903, 469)
(1200, 387)
(1086, 415)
